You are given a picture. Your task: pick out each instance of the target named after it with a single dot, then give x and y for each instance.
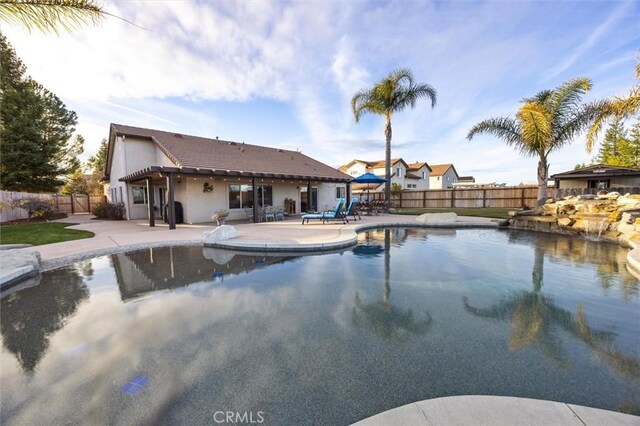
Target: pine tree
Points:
(76, 183)
(96, 164)
(617, 149)
(35, 130)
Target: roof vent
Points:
(216, 138)
(178, 135)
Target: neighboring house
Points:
(413, 176)
(443, 176)
(206, 175)
(598, 176)
(466, 180)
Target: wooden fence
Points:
(505, 197)
(77, 203)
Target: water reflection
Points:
(535, 317)
(382, 317)
(167, 268)
(29, 317)
(610, 261)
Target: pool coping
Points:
(495, 411)
(348, 237)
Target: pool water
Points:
(187, 335)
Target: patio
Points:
(118, 236)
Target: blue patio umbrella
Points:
(368, 178)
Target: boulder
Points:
(437, 218)
(221, 233)
(628, 201)
(566, 222)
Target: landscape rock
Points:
(221, 233)
(437, 218)
(566, 221)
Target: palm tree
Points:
(617, 108)
(392, 94)
(49, 15)
(544, 123)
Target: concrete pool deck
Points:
(288, 235)
(484, 410)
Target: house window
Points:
(240, 196)
(424, 175)
(354, 173)
(447, 178)
(599, 183)
(398, 172)
(139, 194)
(341, 192)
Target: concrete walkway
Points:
(289, 235)
(481, 410)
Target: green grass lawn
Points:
(41, 233)
(496, 213)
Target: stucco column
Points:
(171, 210)
(152, 216)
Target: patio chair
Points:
(269, 214)
(249, 213)
(352, 210)
(334, 214)
(279, 212)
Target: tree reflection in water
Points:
(30, 316)
(534, 317)
(382, 317)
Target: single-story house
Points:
(148, 170)
(443, 176)
(598, 176)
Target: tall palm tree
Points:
(616, 108)
(544, 123)
(393, 93)
(49, 15)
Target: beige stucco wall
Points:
(446, 181)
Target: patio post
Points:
(348, 194)
(309, 207)
(172, 206)
(255, 200)
(152, 216)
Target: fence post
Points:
(522, 198)
(72, 208)
(424, 199)
(484, 198)
(89, 203)
(400, 203)
(453, 198)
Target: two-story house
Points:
(443, 176)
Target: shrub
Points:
(35, 207)
(105, 210)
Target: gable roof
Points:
(218, 156)
(378, 164)
(597, 171)
(418, 165)
(441, 169)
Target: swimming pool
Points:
(191, 335)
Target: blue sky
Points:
(282, 73)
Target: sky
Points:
(282, 73)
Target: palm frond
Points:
(50, 15)
(505, 128)
(536, 126)
(566, 99)
(364, 101)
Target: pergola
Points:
(171, 173)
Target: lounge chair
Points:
(352, 210)
(335, 214)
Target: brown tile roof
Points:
(417, 166)
(204, 153)
(412, 176)
(440, 169)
